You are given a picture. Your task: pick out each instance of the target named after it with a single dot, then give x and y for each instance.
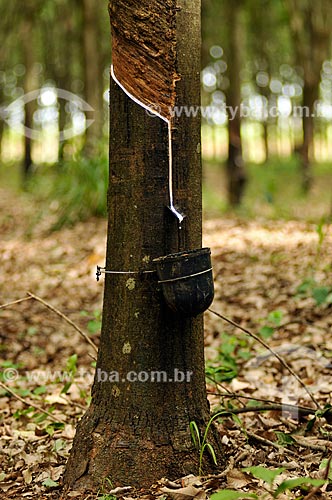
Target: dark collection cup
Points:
(187, 280)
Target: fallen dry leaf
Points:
(237, 479)
(27, 476)
(186, 493)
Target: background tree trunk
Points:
(30, 84)
(311, 28)
(61, 62)
(93, 77)
(136, 433)
(310, 96)
(235, 166)
(2, 127)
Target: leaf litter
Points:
(267, 274)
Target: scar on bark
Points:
(144, 52)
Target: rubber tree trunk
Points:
(310, 96)
(310, 24)
(266, 141)
(137, 432)
(30, 84)
(93, 75)
(64, 58)
(236, 174)
(2, 100)
(265, 92)
(2, 127)
(60, 73)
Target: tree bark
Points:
(2, 127)
(30, 84)
(93, 76)
(311, 30)
(264, 91)
(137, 432)
(236, 174)
(60, 59)
(266, 141)
(310, 95)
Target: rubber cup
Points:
(187, 281)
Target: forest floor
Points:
(273, 278)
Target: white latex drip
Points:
(152, 111)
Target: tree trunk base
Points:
(115, 453)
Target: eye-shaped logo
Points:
(47, 113)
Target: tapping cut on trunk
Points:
(144, 51)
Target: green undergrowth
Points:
(72, 191)
(76, 190)
(273, 191)
(236, 348)
(62, 194)
(269, 477)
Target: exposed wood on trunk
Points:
(137, 432)
(144, 50)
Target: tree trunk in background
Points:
(58, 66)
(2, 126)
(311, 27)
(258, 41)
(207, 28)
(93, 78)
(236, 174)
(30, 84)
(62, 125)
(316, 53)
(310, 96)
(264, 91)
(266, 141)
(136, 433)
(64, 70)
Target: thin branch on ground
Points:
(291, 322)
(269, 407)
(231, 395)
(70, 401)
(27, 403)
(92, 357)
(310, 446)
(280, 359)
(64, 317)
(15, 302)
(225, 389)
(210, 478)
(267, 442)
(240, 456)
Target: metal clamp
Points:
(103, 270)
(185, 277)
